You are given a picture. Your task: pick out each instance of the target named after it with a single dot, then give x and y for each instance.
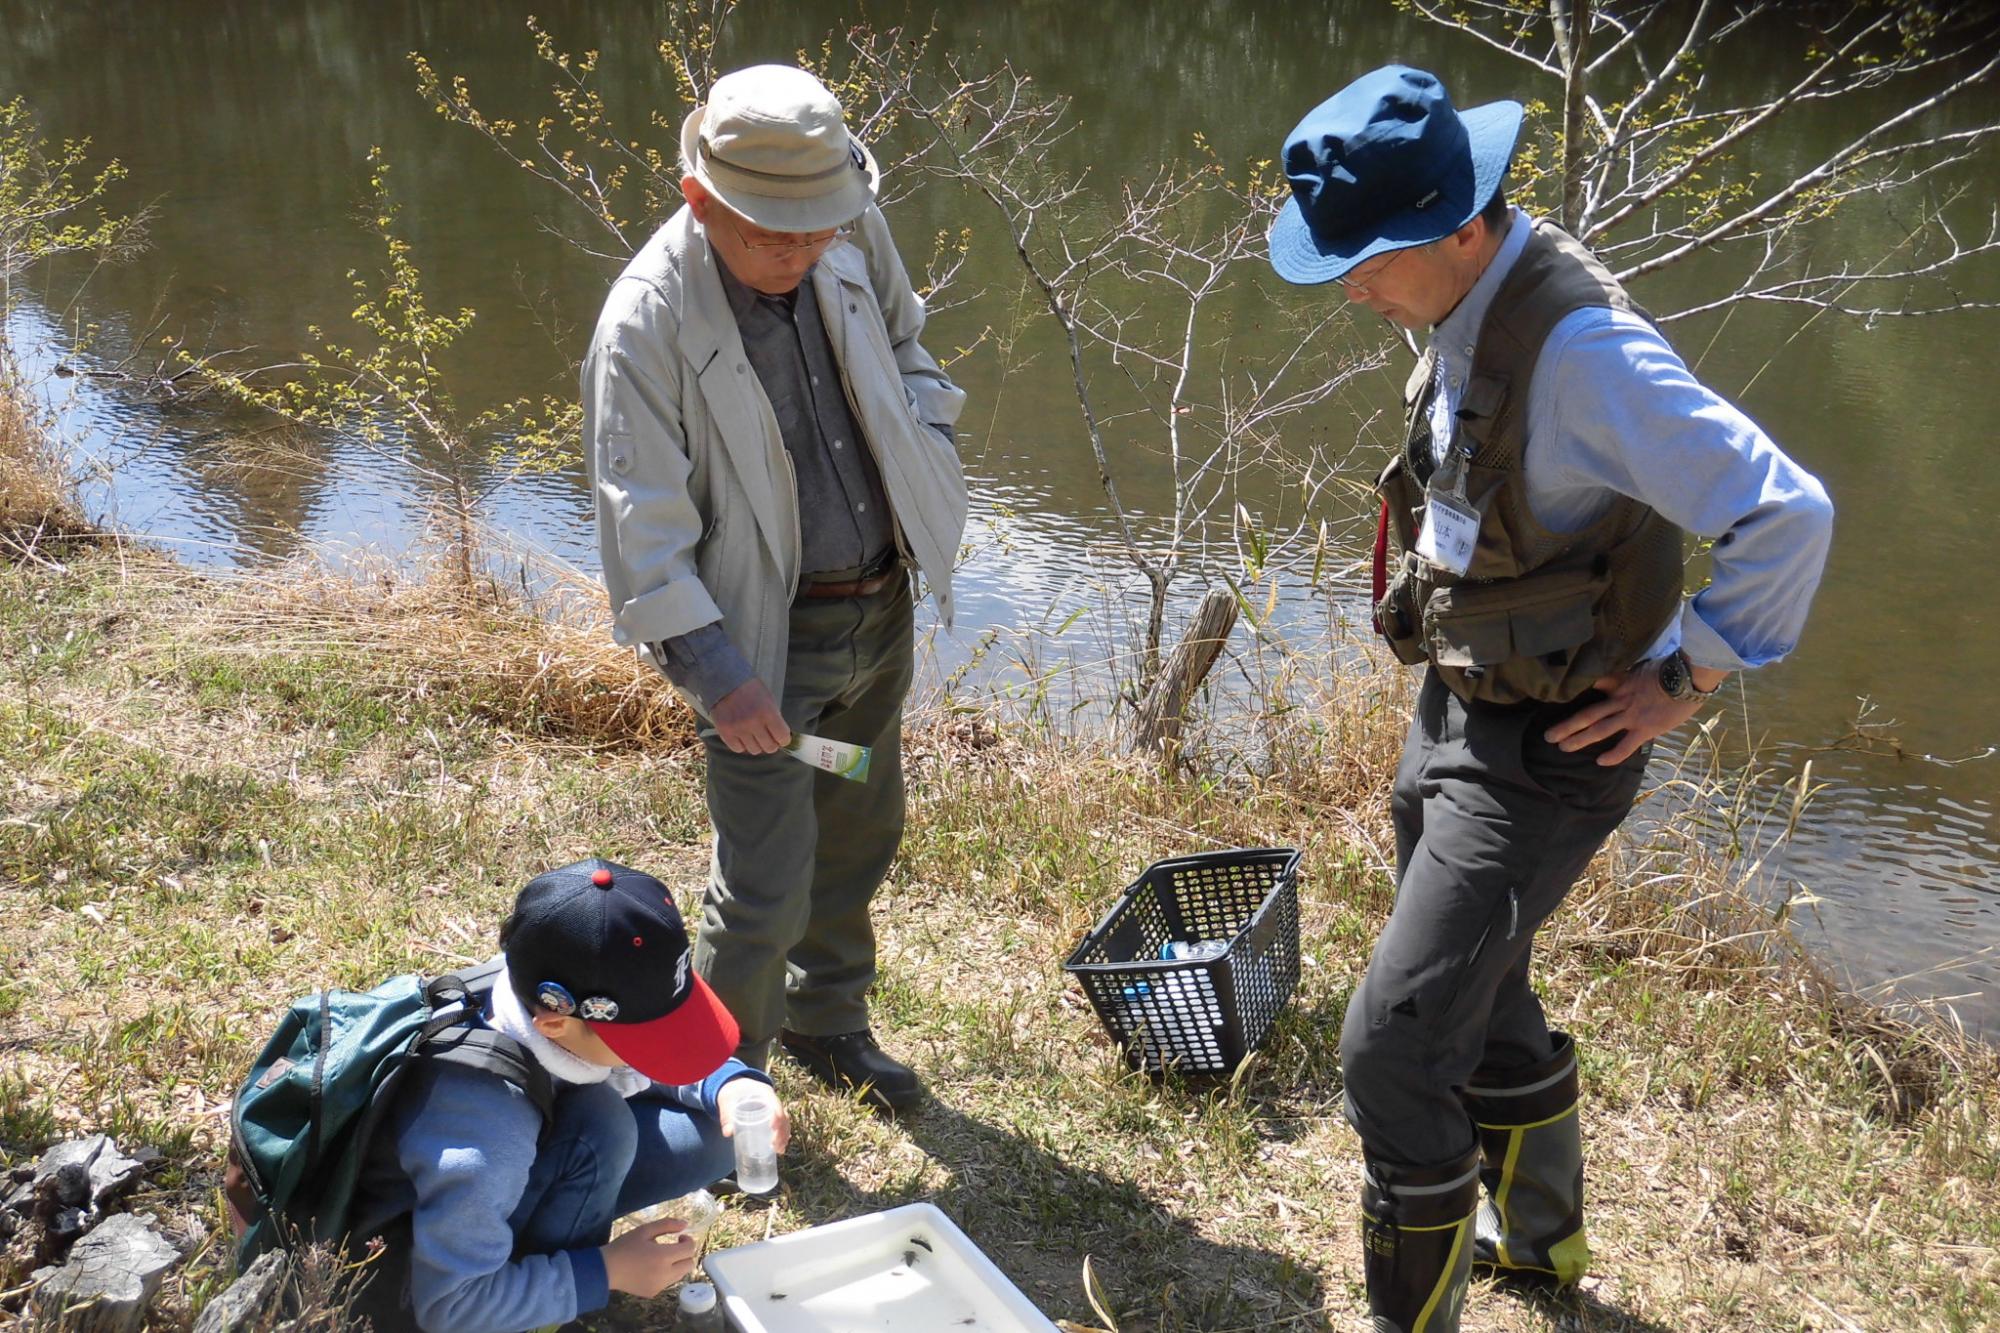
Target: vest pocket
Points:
(1536, 622)
(1399, 615)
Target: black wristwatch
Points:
(1677, 677)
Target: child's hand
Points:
(734, 1090)
(648, 1259)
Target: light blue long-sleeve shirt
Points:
(1612, 408)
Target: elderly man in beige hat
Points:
(773, 459)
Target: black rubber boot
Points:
(1416, 1243)
(1532, 1166)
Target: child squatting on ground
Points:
(494, 1223)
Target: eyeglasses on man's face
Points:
(1358, 283)
(793, 244)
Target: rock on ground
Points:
(82, 1173)
(115, 1269)
(248, 1299)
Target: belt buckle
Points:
(871, 579)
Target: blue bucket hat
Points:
(1385, 164)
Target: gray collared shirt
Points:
(844, 519)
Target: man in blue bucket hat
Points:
(1530, 551)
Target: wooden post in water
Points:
(1159, 723)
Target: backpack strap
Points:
(453, 1037)
(481, 978)
(318, 1095)
(457, 997)
(496, 1053)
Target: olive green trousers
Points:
(785, 936)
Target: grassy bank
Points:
(224, 792)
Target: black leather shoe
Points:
(851, 1060)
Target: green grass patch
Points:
(200, 825)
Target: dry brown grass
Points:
(1664, 899)
(38, 510)
(236, 788)
(1765, 1150)
(545, 667)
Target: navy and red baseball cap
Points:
(605, 944)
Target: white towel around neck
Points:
(511, 1017)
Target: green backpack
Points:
(306, 1114)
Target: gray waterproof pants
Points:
(1493, 826)
(785, 936)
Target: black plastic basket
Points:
(1196, 1015)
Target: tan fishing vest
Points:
(1537, 614)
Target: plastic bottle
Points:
(699, 1210)
(700, 1310)
(756, 1149)
(1194, 950)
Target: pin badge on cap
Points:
(555, 998)
(600, 1009)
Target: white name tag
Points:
(1451, 532)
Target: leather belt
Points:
(864, 587)
(857, 588)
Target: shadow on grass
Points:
(1037, 1217)
(1563, 1307)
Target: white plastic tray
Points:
(907, 1270)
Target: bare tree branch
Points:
(1829, 168)
(1663, 178)
(1438, 14)
(1826, 291)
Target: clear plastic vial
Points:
(699, 1308)
(756, 1149)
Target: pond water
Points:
(246, 126)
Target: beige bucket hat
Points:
(772, 144)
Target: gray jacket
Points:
(697, 506)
